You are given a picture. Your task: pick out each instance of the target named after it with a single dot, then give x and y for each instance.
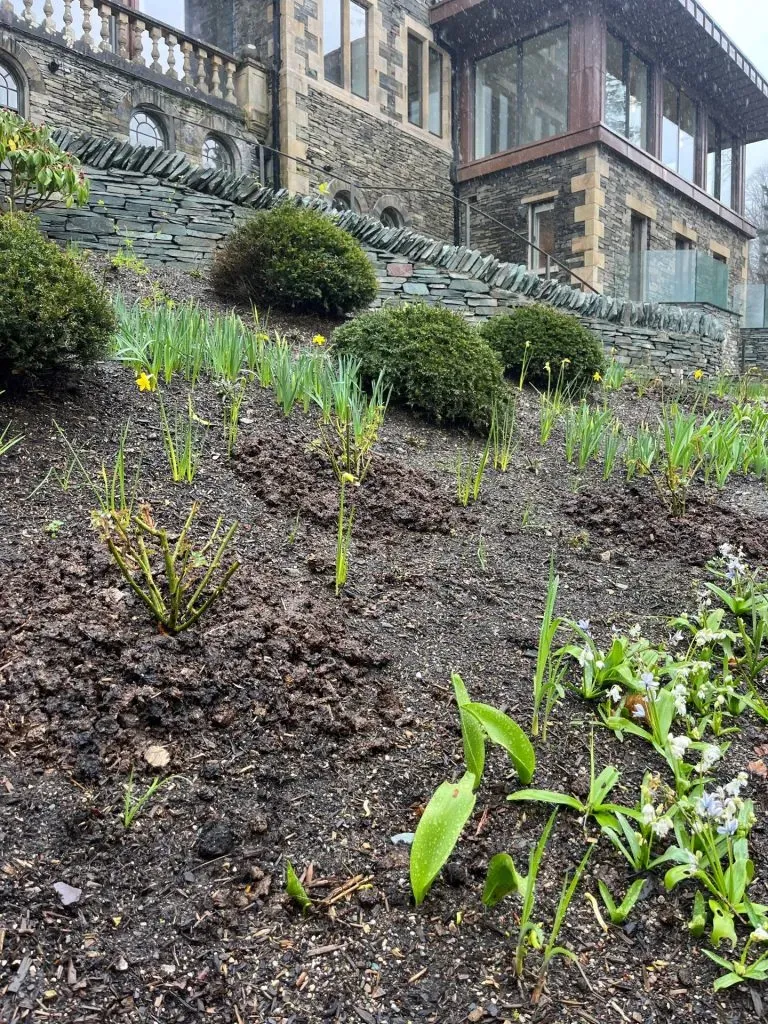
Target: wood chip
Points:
(157, 757)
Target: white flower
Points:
(759, 935)
(648, 814)
(735, 786)
(679, 692)
(710, 756)
(678, 746)
(662, 827)
(649, 683)
(638, 711)
(614, 694)
(677, 637)
(585, 655)
(725, 549)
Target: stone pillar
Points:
(252, 91)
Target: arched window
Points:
(216, 155)
(146, 129)
(391, 218)
(10, 94)
(342, 200)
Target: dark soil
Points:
(311, 728)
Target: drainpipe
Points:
(277, 63)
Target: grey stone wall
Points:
(375, 153)
(501, 195)
(99, 90)
(670, 353)
(754, 348)
(625, 179)
(232, 24)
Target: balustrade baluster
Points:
(171, 42)
(68, 34)
(106, 28)
(138, 43)
(87, 39)
(49, 22)
(155, 34)
(28, 14)
(186, 69)
(216, 63)
(123, 28)
(229, 92)
(202, 80)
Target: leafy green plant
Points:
(503, 878)
(7, 442)
(294, 258)
(550, 666)
(176, 581)
(40, 173)
(182, 443)
(350, 427)
(433, 360)
(470, 470)
(232, 402)
(585, 429)
(295, 889)
(133, 803)
(618, 913)
(743, 969)
(501, 436)
(451, 806)
(532, 338)
(125, 257)
(52, 313)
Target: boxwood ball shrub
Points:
(551, 337)
(434, 361)
(293, 258)
(52, 312)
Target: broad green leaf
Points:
(718, 959)
(546, 796)
(723, 929)
(698, 921)
(603, 785)
(472, 732)
(679, 874)
(726, 980)
(441, 824)
(507, 734)
(502, 879)
(295, 889)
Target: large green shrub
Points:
(296, 259)
(52, 312)
(537, 336)
(433, 360)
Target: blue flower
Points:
(709, 806)
(585, 626)
(728, 828)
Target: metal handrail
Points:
(549, 259)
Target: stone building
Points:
(596, 140)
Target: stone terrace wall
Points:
(668, 353)
(176, 213)
(754, 348)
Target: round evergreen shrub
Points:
(434, 361)
(293, 258)
(534, 337)
(52, 312)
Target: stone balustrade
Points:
(141, 41)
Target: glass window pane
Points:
(638, 101)
(670, 129)
(435, 92)
(543, 235)
(726, 172)
(687, 159)
(415, 70)
(496, 103)
(9, 91)
(545, 86)
(358, 42)
(713, 147)
(615, 87)
(332, 59)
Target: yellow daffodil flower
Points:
(698, 374)
(318, 339)
(146, 382)
(596, 376)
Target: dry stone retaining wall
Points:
(176, 213)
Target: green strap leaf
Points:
(472, 732)
(295, 889)
(441, 824)
(502, 730)
(546, 796)
(502, 879)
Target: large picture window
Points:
(333, 64)
(345, 45)
(521, 94)
(678, 149)
(627, 92)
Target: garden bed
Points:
(307, 727)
